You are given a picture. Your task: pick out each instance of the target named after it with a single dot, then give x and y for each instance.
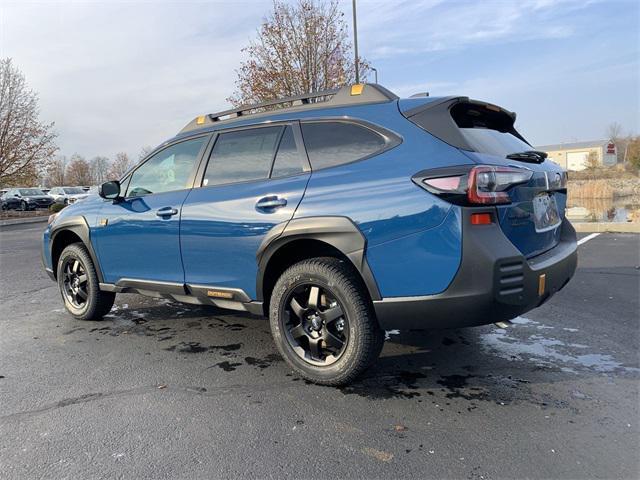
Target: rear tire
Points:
(323, 322)
(79, 286)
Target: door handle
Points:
(271, 202)
(166, 212)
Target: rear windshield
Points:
(473, 126)
(73, 190)
(493, 142)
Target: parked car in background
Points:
(68, 195)
(337, 219)
(9, 202)
(26, 199)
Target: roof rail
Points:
(348, 95)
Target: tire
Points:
(309, 340)
(75, 263)
(23, 206)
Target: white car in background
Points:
(68, 195)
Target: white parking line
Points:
(587, 238)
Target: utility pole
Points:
(355, 42)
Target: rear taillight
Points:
(483, 185)
(489, 185)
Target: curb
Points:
(602, 227)
(20, 221)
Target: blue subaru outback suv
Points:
(337, 214)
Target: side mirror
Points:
(110, 190)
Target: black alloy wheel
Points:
(74, 282)
(316, 326)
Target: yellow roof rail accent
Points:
(200, 120)
(357, 89)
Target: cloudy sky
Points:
(117, 75)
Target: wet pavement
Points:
(164, 390)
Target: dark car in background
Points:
(25, 199)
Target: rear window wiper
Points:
(531, 156)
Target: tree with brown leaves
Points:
(300, 48)
(78, 171)
(26, 144)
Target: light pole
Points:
(355, 41)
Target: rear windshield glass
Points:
(73, 190)
(493, 142)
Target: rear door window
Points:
(243, 155)
(335, 143)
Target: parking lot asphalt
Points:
(163, 390)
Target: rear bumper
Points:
(495, 282)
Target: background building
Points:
(577, 156)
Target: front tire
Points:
(323, 322)
(79, 286)
(23, 206)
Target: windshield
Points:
(493, 142)
(30, 191)
(73, 190)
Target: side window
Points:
(167, 170)
(242, 155)
(334, 143)
(287, 160)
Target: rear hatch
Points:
(486, 134)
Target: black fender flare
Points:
(80, 227)
(339, 232)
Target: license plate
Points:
(545, 212)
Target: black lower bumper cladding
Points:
(495, 282)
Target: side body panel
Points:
(394, 214)
(136, 242)
(222, 229)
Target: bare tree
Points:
(25, 143)
(144, 151)
(301, 47)
(119, 166)
(99, 168)
(78, 171)
(614, 131)
(56, 171)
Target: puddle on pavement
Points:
(547, 351)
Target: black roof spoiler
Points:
(362, 93)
